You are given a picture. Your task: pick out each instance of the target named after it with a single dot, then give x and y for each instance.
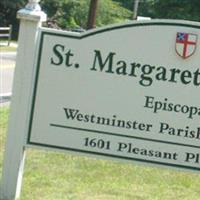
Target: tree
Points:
(74, 13)
(177, 9)
(8, 12)
(66, 13)
(166, 9)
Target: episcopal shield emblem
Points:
(185, 44)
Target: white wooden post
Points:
(30, 19)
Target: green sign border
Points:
(82, 36)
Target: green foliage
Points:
(166, 9)
(8, 12)
(110, 12)
(177, 9)
(74, 13)
(69, 14)
(65, 13)
(145, 8)
(61, 11)
(126, 3)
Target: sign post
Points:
(30, 19)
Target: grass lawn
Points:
(5, 48)
(58, 176)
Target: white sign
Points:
(129, 92)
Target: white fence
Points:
(5, 32)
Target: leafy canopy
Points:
(74, 13)
(69, 14)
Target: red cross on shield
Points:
(185, 44)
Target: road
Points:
(7, 63)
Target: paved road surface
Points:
(8, 56)
(6, 77)
(7, 63)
